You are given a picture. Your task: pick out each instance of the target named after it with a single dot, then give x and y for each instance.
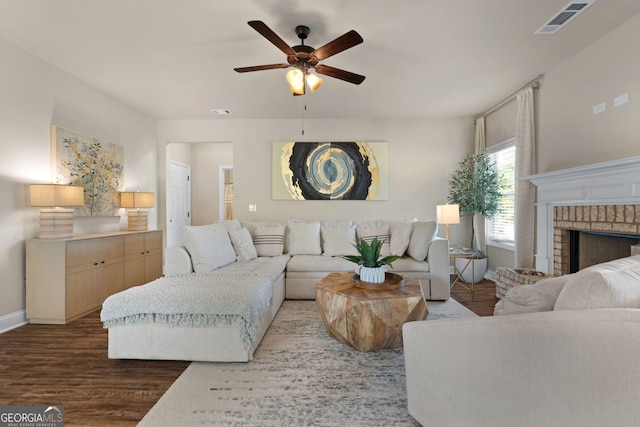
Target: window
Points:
(500, 229)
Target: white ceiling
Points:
(174, 59)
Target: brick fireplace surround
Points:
(603, 197)
(614, 219)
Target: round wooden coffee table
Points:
(364, 319)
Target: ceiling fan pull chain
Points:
(303, 111)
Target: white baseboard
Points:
(13, 320)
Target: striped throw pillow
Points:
(269, 241)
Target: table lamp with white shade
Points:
(56, 220)
(138, 219)
(448, 214)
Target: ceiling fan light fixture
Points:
(314, 82)
(295, 77)
(298, 90)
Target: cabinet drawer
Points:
(134, 245)
(82, 252)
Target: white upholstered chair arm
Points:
(557, 368)
(438, 259)
(177, 261)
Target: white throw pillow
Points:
(540, 296)
(613, 284)
(269, 241)
(243, 244)
(382, 233)
(337, 241)
(304, 238)
(422, 235)
(208, 245)
(230, 224)
(400, 238)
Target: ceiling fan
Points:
(304, 58)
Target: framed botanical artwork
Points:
(330, 170)
(96, 165)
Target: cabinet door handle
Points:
(95, 263)
(102, 262)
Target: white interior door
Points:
(178, 201)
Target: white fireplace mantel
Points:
(608, 183)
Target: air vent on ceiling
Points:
(564, 16)
(221, 111)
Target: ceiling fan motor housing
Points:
(303, 32)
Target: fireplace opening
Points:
(587, 248)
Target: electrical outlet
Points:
(619, 100)
(599, 108)
(252, 208)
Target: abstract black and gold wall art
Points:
(330, 171)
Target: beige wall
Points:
(205, 159)
(422, 155)
(34, 96)
(180, 153)
(570, 134)
(205, 180)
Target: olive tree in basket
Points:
(476, 187)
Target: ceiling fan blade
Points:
(261, 67)
(337, 73)
(268, 33)
(344, 42)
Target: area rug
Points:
(299, 376)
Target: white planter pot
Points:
(474, 271)
(372, 275)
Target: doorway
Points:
(226, 192)
(178, 201)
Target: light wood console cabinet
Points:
(143, 258)
(69, 278)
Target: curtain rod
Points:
(535, 84)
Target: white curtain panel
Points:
(480, 135)
(525, 191)
(478, 220)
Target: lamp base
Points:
(138, 220)
(56, 223)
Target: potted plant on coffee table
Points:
(476, 188)
(371, 264)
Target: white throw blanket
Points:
(197, 299)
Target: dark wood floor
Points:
(483, 299)
(67, 365)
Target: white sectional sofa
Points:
(314, 248)
(562, 352)
(223, 288)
